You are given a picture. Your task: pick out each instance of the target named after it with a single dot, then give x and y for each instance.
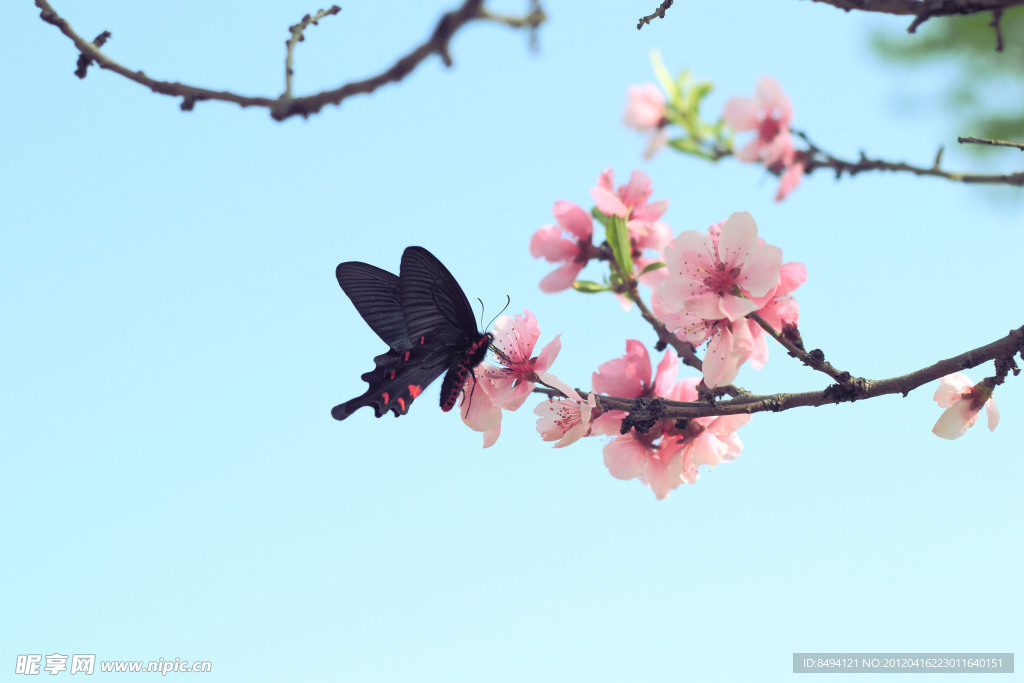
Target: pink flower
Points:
(963, 401)
(629, 201)
(491, 389)
(709, 441)
(565, 420)
(791, 177)
(509, 386)
(769, 113)
(720, 276)
(549, 243)
(630, 376)
(665, 456)
(645, 107)
(645, 112)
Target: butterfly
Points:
(423, 315)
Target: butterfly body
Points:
(424, 317)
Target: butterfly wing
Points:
(397, 380)
(433, 302)
(376, 294)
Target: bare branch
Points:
(83, 61)
(296, 38)
(997, 26)
(816, 158)
(658, 13)
(923, 10)
(986, 141)
(815, 359)
(285, 107)
(682, 348)
(1002, 351)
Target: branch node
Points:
(84, 61)
(644, 416)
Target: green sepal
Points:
(589, 287)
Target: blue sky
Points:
(175, 338)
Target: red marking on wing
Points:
(414, 390)
(423, 339)
(392, 375)
(387, 399)
(406, 358)
(401, 402)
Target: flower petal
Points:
(992, 413)
(608, 202)
(625, 457)
(761, 271)
(740, 114)
(574, 219)
(561, 278)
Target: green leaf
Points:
(601, 218)
(701, 90)
(691, 146)
(618, 239)
(663, 76)
(588, 287)
(652, 266)
(687, 146)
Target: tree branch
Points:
(923, 10)
(1002, 351)
(683, 349)
(986, 141)
(285, 106)
(815, 359)
(658, 13)
(816, 158)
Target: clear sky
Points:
(174, 338)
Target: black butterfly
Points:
(424, 316)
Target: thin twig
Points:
(282, 108)
(295, 38)
(815, 359)
(658, 13)
(997, 26)
(998, 143)
(816, 158)
(683, 349)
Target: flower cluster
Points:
(668, 453)
(767, 114)
(704, 286)
(714, 281)
(570, 240)
(724, 289)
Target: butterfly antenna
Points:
(508, 300)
